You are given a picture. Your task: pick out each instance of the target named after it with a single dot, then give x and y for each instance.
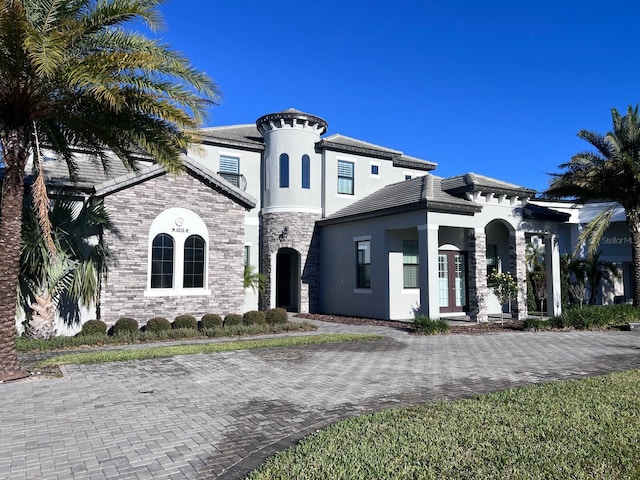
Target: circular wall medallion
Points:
(179, 221)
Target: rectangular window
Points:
(284, 170)
(247, 257)
(407, 177)
(492, 259)
(306, 171)
(375, 170)
(363, 264)
(410, 264)
(230, 169)
(345, 177)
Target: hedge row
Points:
(126, 325)
(587, 318)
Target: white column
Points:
(428, 270)
(554, 292)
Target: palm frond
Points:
(592, 234)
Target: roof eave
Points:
(369, 152)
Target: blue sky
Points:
(499, 88)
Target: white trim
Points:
(410, 291)
(287, 209)
(346, 195)
(225, 153)
(176, 292)
(362, 238)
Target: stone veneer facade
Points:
(302, 237)
(518, 265)
(478, 290)
(132, 211)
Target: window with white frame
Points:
(410, 264)
(230, 169)
(284, 170)
(363, 264)
(375, 169)
(306, 171)
(178, 260)
(345, 177)
(162, 253)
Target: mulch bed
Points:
(470, 329)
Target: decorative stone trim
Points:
(478, 290)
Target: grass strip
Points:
(104, 356)
(586, 429)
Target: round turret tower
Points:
(291, 204)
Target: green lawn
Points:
(587, 429)
(102, 356)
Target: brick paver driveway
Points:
(219, 415)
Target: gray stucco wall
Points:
(132, 211)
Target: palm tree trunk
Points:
(14, 147)
(633, 220)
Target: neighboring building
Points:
(336, 224)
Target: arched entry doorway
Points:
(288, 279)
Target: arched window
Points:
(178, 259)
(162, 251)
(194, 252)
(284, 170)
(306, 171)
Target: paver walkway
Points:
(220, 415)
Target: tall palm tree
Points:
(611, 172)
(75, 73)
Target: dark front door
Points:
(287, 279)
(452, 276)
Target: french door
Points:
(452, 276)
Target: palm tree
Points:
(71, 277)
(75, 73)
(611, 172)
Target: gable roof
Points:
(472, 182)
(416, 194)
(191, 166)
(342, 143)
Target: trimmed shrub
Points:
(426, 326)
(210, 320)
(94, 327)
(254, 317)
(277, 316)
(157, 325)
(232, 319)
(185, 321)
(125, 325)
(535, 323)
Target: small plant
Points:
(125, 325)
(427, 326)
(210, 320)
(276, 316)
(504, 286)
(232, 319)
(254, 317)
(185, 321)
(254, 280)
(158, 325)
(94, 327)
